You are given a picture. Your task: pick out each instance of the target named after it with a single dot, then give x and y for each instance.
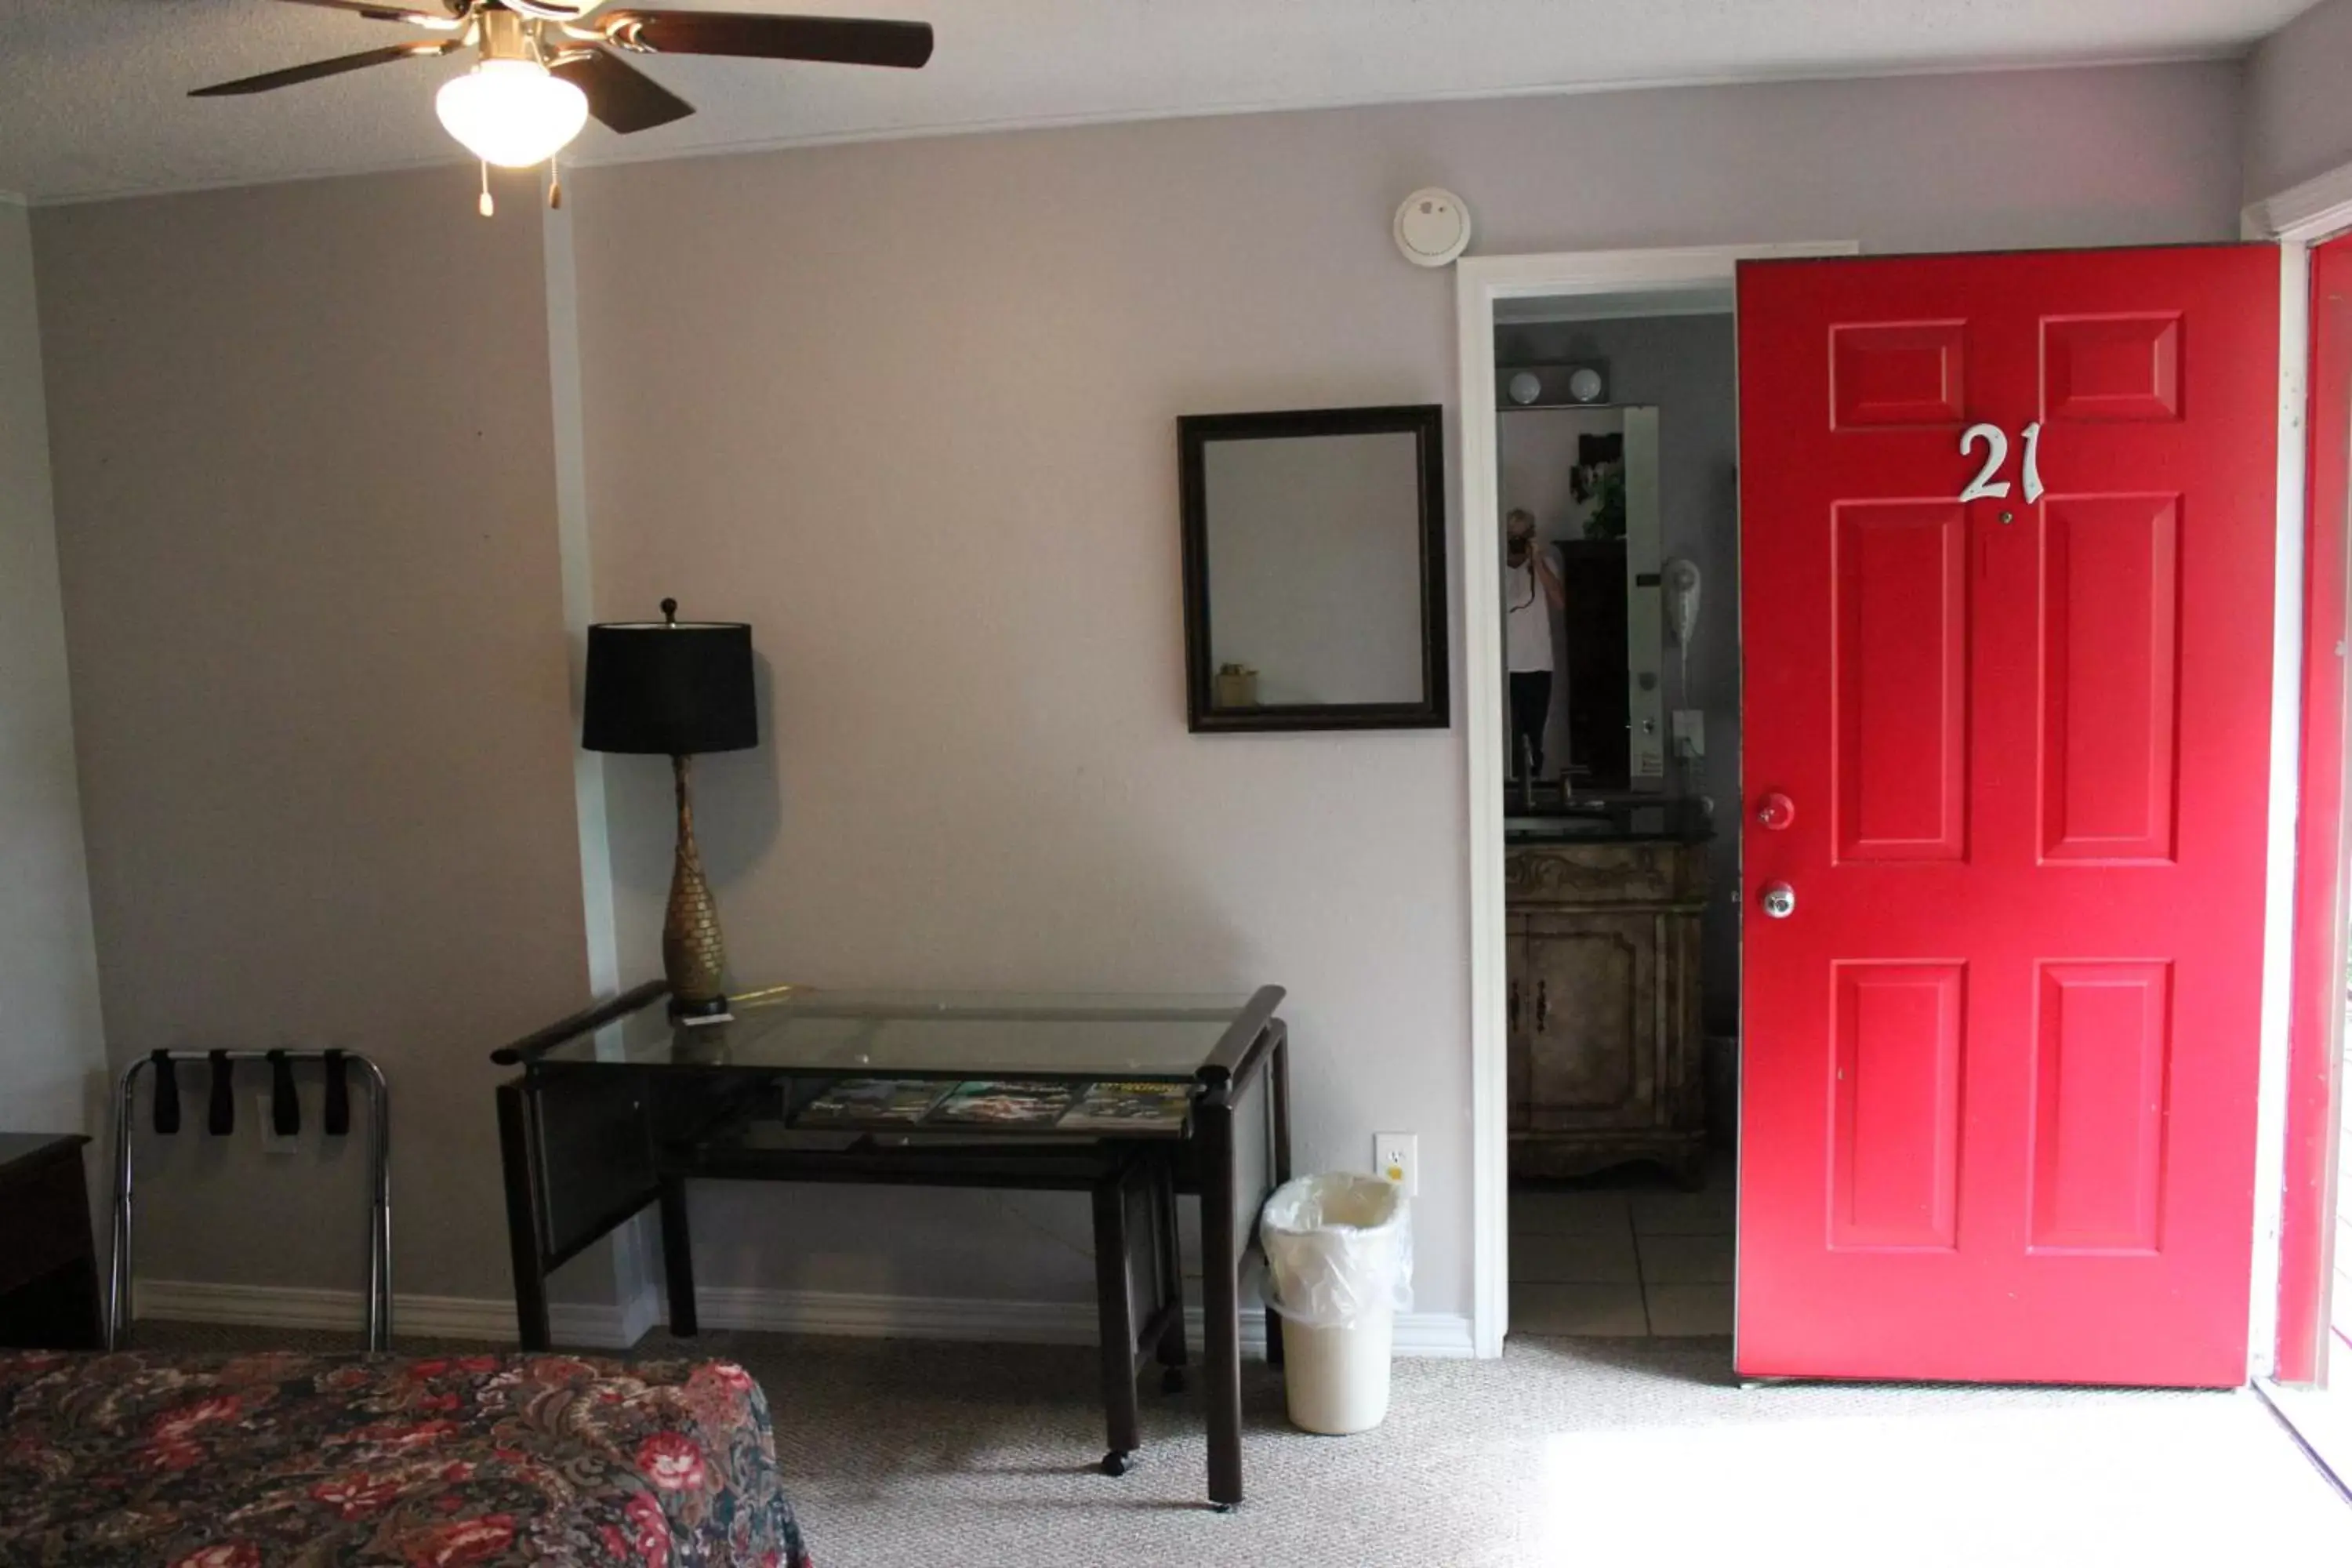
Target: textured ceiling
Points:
(92, 92)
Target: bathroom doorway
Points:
(1617, 480)
(1613, 1028)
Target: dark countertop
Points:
(1608, 819)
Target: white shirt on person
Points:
(1526, 620)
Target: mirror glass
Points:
(1583, 614)
(1313, 570)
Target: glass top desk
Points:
(617, 1107)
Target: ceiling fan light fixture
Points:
(512, 112)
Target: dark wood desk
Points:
(619, 1106)
(48, 1267)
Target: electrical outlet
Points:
(1397, 1156)
(270, 1143)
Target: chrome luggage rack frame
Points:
(379, 1290)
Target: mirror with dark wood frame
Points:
(1315, 569)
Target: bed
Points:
(281, 1459)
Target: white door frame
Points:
(1479, 282)
(2295, 220)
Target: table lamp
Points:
(676, 688)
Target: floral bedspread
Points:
(281, 1458)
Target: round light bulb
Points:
(512, 112)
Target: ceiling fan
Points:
(546, 66)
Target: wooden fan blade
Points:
(269, 81)
(620, 95)
(845, 40)
(375, 13)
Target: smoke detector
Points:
(1433, 227)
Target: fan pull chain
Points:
(554, 186)
(489, 208)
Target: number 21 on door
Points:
(1984, 487)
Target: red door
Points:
(1999, 1084)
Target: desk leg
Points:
(1116, 1320)
(1278, 1107)
(1221, 1297)
(1170, 1274)
(677, 1259)
(525, 1204)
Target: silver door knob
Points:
(1780, 900)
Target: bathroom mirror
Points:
(1585, 601)
(1313, 569)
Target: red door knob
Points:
(1776, 811)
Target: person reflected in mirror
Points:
(1532, 593)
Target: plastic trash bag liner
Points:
(1338, 1246)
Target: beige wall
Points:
(2298, 114)
(909, 409)
(306, 514)
(51, 1041)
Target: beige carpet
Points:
(1639, 1452)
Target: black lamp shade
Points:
(678, 689)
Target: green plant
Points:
(1608, 491)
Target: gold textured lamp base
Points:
(694, 953)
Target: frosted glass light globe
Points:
(512, 112)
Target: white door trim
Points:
(2304, 215)
(1479, 282)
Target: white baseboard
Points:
(858, 1315)
(850, 1314)
(1436, 1336)
(999, 1321)
(438, 1317)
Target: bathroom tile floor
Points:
(1623, 1256)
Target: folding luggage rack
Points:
(286, 1120)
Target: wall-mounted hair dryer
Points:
(1679, 583)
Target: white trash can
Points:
(1339, 1248)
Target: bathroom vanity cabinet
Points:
(1603, 1005)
